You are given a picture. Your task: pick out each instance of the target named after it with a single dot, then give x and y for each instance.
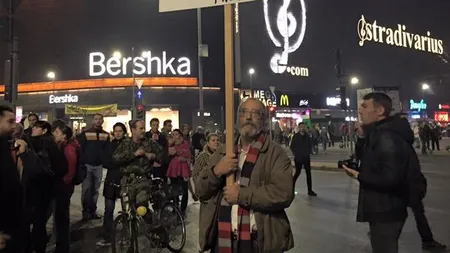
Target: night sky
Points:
(58, 35)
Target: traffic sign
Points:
(139, 94)
(139, 83)
(178, 5)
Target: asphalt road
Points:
(323, 224)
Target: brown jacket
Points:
(270, 192)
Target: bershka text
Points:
(148, 65)
(397, 37)
(68, 98)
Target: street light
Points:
(251, 72)
(146, 54)
(51, 75)
(354, 80)
(425, 86)
(117, 54)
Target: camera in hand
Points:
(351, 163)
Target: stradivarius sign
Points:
(421, 105)
(399, 37)
(151, 64)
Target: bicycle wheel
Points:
(122, 237)
(172, 220)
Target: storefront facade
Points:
(178, 103)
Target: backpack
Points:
(80, 169)
(416, 182)
(415, 185)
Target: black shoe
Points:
(433, 245)
(312, 194)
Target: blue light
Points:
(138, 94)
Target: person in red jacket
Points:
(63, 135)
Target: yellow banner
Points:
(105, 110)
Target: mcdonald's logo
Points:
(284, 100)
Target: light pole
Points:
(353, 82)
(251, 72)
(51, 75)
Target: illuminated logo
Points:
(417, 106)
(441, 106)
(148, 65)
(290, 36)
(441, 116)
(335, 101)
(303, 102)
(266, 97)
(397, 37)
(284, 100)
(68, 98)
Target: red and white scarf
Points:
(225, 232)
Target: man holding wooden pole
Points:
(246, 216)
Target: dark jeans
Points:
(108, 220)
(63, 193)
(184, 192)
(425, 146)
(303, 162)
(90, 187)
(384, 236)
(422, 223)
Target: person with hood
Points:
(64, 188)
(111, 188)
(383, 171)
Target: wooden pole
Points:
(229, 84)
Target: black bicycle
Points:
(132, 234)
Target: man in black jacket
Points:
(159, 170)
(301, 147)
(11, 232)
(383, 170)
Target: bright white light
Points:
(251, 71)
(287, 25)
(146, 54)
(425, 86)
(51, 75)
(354, 80)
(117, 54)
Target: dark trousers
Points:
(425, 146)
(63, 193)
(331, 141)
(108, 220)
(422, 223)
(37, 239)
(384, 236)
(303, 162)
(435, 144)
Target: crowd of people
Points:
(243, 195)
(44, 162)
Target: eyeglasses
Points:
(253, 113)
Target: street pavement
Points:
(323, 224)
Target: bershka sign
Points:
(149, 65)
(399, 37)
(68, 98)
